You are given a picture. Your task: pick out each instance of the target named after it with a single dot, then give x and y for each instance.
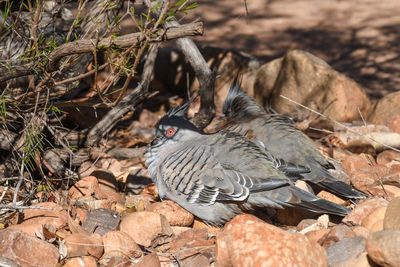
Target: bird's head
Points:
(175, 127)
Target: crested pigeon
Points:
(280, 136)
(217, 176)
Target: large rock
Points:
(386, 109)
(27, 250)
(249, 241)
(310, 81)
(147, 228)
(384, 247)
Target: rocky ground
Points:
(112, 215)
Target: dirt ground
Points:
(360, 38)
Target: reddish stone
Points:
(84, 245)
(27, 250)
(363, 209)
(53, 215)
(337, 233)
(383, 247)
(118, 244)
(86, 261)
(147, 228)
(388, 156)
(175, 214)
(248, 241)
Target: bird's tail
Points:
(326, 181)
(295, 197)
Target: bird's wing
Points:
(194, 171)
(228, 185)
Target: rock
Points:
(27, 250)
(199, 224)
(101, 221)
(56, 217)
(248, 241)
(360, 231)
(374, 217)
(362, 261)
(106, 180)
(100, 161)
(139, 202)
(394, 124)
(363, 209)
(317, 236)
(86, 187)
(344, 250)
(180, 229)
(86, 261)
(310, 81)
(357, 162)
(385, 110)
(392, 215)
(388, 156)
(336, 234)
(189, 245)
(33, 229)
(384, 247)
(332, 198)
(390, 173)
(305, 223)
(92, 204)
(149, 260)
(175, 214)
(84, 245)
(147, 228)
(321, 223)
(387, 191)
(361, 169)
(119, 244)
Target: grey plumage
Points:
(279, 135)
(216, 176)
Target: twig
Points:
(377, 175)
(16, 207)
(338, 123)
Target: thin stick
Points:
(341, 124)
(16, 207)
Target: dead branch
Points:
(88, 45)
(125, 41)
(203, 72)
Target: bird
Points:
(280, 136)
(217, 176)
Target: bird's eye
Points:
(170, 132)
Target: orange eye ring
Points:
(170, 132)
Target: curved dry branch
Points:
(88, 45)
(125, 41)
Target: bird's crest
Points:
(181, 110)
